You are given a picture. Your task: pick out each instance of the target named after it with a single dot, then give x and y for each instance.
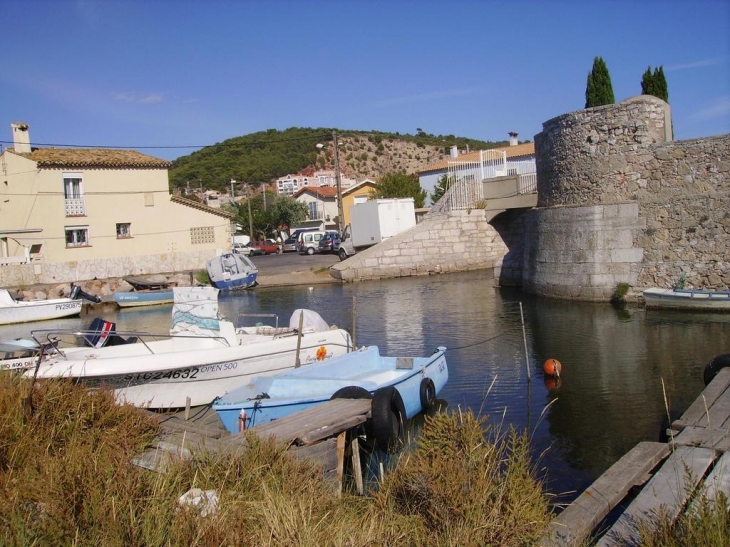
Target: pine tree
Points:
(599, 90)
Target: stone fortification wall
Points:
(46, 273)
(589, 157)
(591, 161)
(441, 243)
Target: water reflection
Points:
(617, 364)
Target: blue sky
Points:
(174, 74)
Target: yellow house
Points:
(356, 194)
(75, 214)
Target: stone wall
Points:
(590, 162)
(46, 273)
(440, 243)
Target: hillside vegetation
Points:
(268, 155)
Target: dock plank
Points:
(696, 414)
(669, 489)
(718, 481)
(331, 416)
(705, 437)
(577, 521)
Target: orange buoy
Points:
(553, 383)
(552, 367)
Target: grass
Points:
(66, 478)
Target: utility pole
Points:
(250, 220)
(340, 210)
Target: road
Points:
(288, 263)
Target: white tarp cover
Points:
(195, 311)
(312, 320)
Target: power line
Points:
(243, 144)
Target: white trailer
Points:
(375, 221)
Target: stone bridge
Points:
(617, 202)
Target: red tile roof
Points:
(321, 191)
(524, 149)
(94, 157)
(201, 207)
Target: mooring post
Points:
(297, 362)
(354, 322)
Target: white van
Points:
(308, 242)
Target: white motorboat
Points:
(687, 299)
(232, 271)
(21, 311)
(202, 358)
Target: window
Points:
(77, 236)
(124, 229)
(203, 234)
(72, 188)
(73, 193)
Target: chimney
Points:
(513, 139)
(21, 138)
(454, 152)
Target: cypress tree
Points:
(647, 83)
(660, 84)
(599, 90)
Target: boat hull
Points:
(272, 398)
(13, 311)
(715, 301)
(187, 370)
(143, 298)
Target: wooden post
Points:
(524, 339)
(187, 408)
(356, 467)
(354, 322)
(297, 362)
(340, 460)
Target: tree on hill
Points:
(655, 83)
(281, 212)
(599, 90)
(439, 190)
(400, 185)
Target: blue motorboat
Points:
(232, 271)
(143, 298)
(404, 386)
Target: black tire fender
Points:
(352, 392)
(388, 417)
(714, 366)
(427, 394)
(343, 254)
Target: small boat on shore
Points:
(203, 356)
(26, 311)
(232, 271)
(687, 299)
(361, 373)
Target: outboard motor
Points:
(76, 292)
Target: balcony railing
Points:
(75, 207)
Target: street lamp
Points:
(340, 211)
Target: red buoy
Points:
(552, 367)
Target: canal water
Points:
(622, 369)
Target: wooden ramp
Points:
(319, 433)
(672, 475)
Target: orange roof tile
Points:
(524, 149)
(321, 191)
(201, 207)
(94, 157)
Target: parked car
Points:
(330, 243)
(269, 247)
(308, 242)
(242, 248)
(255, 248)
(290, 244)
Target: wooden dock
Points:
(325, 434)
(695, 460)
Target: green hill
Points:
(268, 155)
